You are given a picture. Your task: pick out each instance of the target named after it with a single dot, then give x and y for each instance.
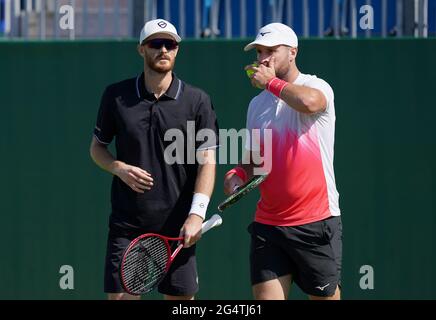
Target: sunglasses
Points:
(159, 43)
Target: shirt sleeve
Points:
(324, 87)
(206, 125)
(105, 128)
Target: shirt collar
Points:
(172, 93)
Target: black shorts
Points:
(311, 253)
(181, 279)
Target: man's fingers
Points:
(187, 241)
(141, 186)
(227, 187)
(145, 172)
(229, 190)
(140, 173)
(231, 184)
(141, 179)
(234, 188)
(190, 240)
(137, 186)
(148, 183)
(136, 189)
(187, 236)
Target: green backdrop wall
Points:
(54, 201)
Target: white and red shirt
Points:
(301, 185)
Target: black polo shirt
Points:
(139, 121)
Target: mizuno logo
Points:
(264, 33)
(322, 287)
(262, 239)
(260, 245)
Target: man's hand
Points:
(262, 74)
(231, 181)
(137, 179)
(191, 230)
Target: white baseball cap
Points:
(274, 34)
(158, 26)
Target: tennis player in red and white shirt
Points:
(297, 232)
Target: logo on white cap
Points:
(162, 24)
(274, 34)
(158, 26)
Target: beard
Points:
(154, 64)
(283, 72)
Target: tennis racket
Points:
(241, 191)
(148, 257)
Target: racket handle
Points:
(213, 222)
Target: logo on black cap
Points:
(162, 24)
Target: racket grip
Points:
(213, 222)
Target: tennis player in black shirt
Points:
(151, 193)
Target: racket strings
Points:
(145, 264)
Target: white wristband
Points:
(199, 205)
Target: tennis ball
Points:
(251, 72)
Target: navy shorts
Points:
(181, 279)
(311, 253)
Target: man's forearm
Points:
(205, 179)
(206, 174)
(203, 189)
(103, 158)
